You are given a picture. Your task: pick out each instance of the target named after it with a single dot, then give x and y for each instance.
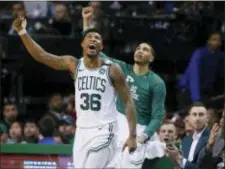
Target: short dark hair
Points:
(197, 104)
(47, 126)
(88, 31)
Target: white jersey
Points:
(94, 96)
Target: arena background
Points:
(174, 29)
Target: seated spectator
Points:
(212, 117)
(67, 129)
(192, 145)
(18, 8)
(180, 127)
(30, 132)
(61, 20)
(10, 114)
(188, 126)
(70, 107)
(56, 109)
(212, 155)
(167, 134)
(47, 128)
(3, 136)
(203, 73)
(15, 133)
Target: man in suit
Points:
(192, 144)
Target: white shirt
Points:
(195, 137)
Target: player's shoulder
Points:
(156, 79)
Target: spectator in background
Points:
(205, 68)
(61, 20)
(192, 145)
(70, 107)
(18, 8)
(10, 114)
(56, 107)
(212, 117)
(15, 133)
(188, 126)
(47, 128)
(167, 134)
(30, 132)
(213, 153)
(67, 129)
(180, 127)
(3, 136)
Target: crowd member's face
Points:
(67, 129)
(15, 130)
(30, 129)
(198, 117)
(143, 54)
(3, 138)
(56, 103)
(10, 112)
(211, 116)
(167, 133)
(215, 41)
(60, 12)
(18, 8)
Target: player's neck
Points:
(92, 63)
(140, 69)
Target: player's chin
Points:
(92, 53)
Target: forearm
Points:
(131, 118)
(35, 50)
(153, 126)
(86, 23)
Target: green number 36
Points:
(91, 102)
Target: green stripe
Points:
(108, 77)
(75, 75)
(95, 149)
(36, 149)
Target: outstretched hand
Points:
(19, 24)
(87, 12)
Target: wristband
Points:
(22, 32)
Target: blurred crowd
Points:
(57, 126)
(63, 18)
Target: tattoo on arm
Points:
(119, 82)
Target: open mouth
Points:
(166, 139)
(92, 47)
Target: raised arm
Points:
(39, 54)
(87, 14)
(118, 80)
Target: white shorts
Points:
(152, 149)
(94, 147)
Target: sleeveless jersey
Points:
(94, 96)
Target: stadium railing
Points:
(24, 156)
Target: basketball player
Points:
(96, 84)
(147, 88)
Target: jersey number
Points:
(91, 102)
